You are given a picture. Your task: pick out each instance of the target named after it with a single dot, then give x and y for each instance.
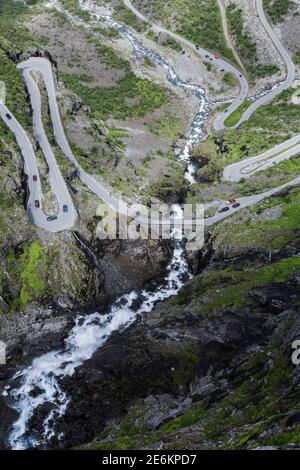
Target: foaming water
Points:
(39, 384)
(197, 126)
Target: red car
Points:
(231, 200)
(34, 178)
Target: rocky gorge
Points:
(207, 368)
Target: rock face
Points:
(275, 297)
(170, 364)
(182, 376)
(115, 270)
(131, 264)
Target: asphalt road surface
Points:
(36, 214)
(65, 219)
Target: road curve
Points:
(58, 184)
(43, 66)
(204, 55)
(250, 201)
(248, 167)
(65, 220)
(219, 123)
(36, 214)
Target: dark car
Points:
(51, 217)
(34, 178)
(207, 56)
(8, 116)
(197, 47)
(236, 205)
(65, 208)
(37, 204)
(222, 70)
(224, 209)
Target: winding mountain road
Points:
(284, 151)
(64, 219)
(204, 55)
(36, 214)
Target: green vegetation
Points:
(173, 44)
(130, 97)
(169, 126)
(200, 22)
(261, 71)
(246, 47)
(168, 41)
(277, 9)
(149, 62)
(234, 118)
(232, 295)
(28, 266)
(268, 126)
(107, 32)
(208, 65)
(33, 264)
(228, 79)
(296, 58)
(13, 36)
(12, 32)
(165, 187)
(122, 13)
(111, 58)
(73, 7)
(237, 420)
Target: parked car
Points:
(236, 205)
(8, 116)
(51, 217)
(222, 70)
(207, 56)
(224, 209)
(230, 201)
(34, 178)
(197, 47)
(65, 208)
(37, 204)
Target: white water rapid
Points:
(39, 383)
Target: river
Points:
(39, 383)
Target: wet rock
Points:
(276, 297)
(162, 408)
(136, 303)
(129, 264)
